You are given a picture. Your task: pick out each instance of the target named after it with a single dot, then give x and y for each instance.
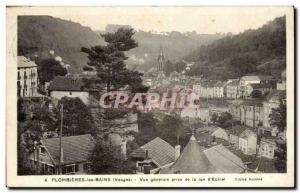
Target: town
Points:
(238, 125)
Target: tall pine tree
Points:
(109, 62)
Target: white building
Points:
(62, 86)
(27, 80)
(248, 142)
(244, 81)
(267, 147)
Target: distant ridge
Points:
(40, 34)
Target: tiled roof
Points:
(237, 130)
(224, 160)
(264, 165)
(276, 95)
(191, 161)
(62, 83)
(25, 62)
(255, 102)
(75, 148)
(251, 78)
(233, 83)
(246, 133)
(160, 151)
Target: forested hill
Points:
(260, 51)
(175, 45)
(40, 34)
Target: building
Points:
(272, 101)
(264, 88)
(62, 86)
(208, 135)
(209, 89)
(153, 156)
(218, 90)
(27, 80)
(224, 160)
(203, 113)
(192, 161)
(232, 89)
(75, 151)
(252, 113)
(234, 134)
(267, 147)
(244, 81)
(197, 160)
(248, 142)
(235, 110)
(281, 85)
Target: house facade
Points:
(153, 156)
(62, 86)
(267, 147)
(252, 113)
(248, 142)
(272, 101)
(75, 151)
(232, 89)
(27, 80)
(244, 81)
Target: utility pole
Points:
(60, 138)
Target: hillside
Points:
(260, 51)
(175, 45)
(37, 35)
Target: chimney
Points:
(146, 155)
(62, 156)
(124, 149)
(177, 152)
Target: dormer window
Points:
(43, 150)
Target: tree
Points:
(148, 130)
(33, 127)
(109, 62)
(48, 69)
(280, 157)
(171, 129)
(169, 68)
(214, 118)
(77, 118)
(278, 117)
(106, 159)
(256, 94)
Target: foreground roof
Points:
(250, 78)
(224, 160)
(62, 83)
(160, 151)
(191, 161)
(75, 148)
(25, 62)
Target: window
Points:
(43, 150)
(86, 166)
(76, 168)
(70, 169)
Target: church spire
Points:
(160, 59)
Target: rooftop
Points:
(25, 62)
(191, 161)
(75, 148)
(160, 151)
(62, 83)
(224, 160)
(250, 78)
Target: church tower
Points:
(160, 60)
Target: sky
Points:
(204, 20)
